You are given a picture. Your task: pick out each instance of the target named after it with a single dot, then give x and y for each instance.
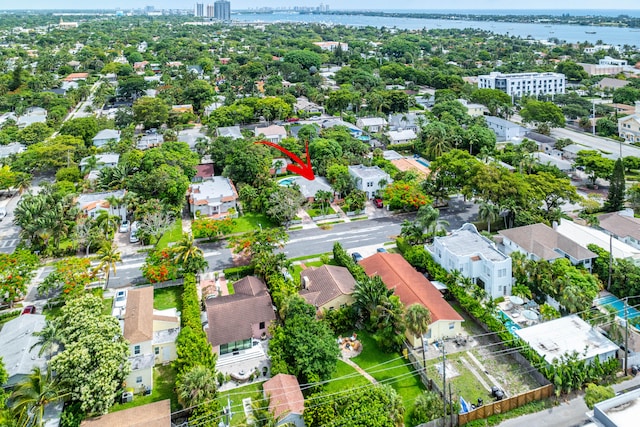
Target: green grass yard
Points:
(164, 381)
(339, 383)
(254, 391)
(172, 235)
(166, 298)
(250, 222)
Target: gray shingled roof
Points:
(325, 283)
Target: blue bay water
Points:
(538, 31)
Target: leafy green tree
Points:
(84, 127)
(151, 112)
(615, 198)
(35, 132)
(573, 71)
(595, 165)
(283, 205)
(495, 100)
(545, 115)
(427, 407)
(188, 255)
(552, 191)
(304, 58)
(199, 93)
(93, 363)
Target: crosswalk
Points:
(9, 239)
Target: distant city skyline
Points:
(497, 5)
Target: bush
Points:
(238, 272)
(597, 393)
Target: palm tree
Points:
(368, 294)
(488, 212)
(196, 386)
(107, 223)
(418, 318)
(90, 164)
(49, 339)
(30, 397)
(188, 255)
(109, 256)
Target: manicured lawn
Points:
(107, 304)
(354, 380)
(250, 221)
(172, 235)
(327, 210)
(254, 391)
(168, 298)
(387, 368)
(164, 381)
(297, 269)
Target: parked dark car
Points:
(357, 257)
(382, 250)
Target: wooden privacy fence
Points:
(506, 404)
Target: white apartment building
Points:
(475, 257)
(521, 84)
(370, 179)
(607, 60)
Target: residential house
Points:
(236, 321)
(570, 152)
(475, 257)
(105, 136)
(504, 129)
(405, 121)
(565, 336)
(585, 236)
(8, 116)
(17, 349)
(541, 242)
(156, 414)
(286, 402)
(328, 287)
(355, 131)
(308, 188)
(414, 288)
(230, 132)
(74, 77)
(31, 116)
(214, 105)
(273, 133)
(13, 148)
(106, 160)
(474, 110)
(370, 179)
(622, 225)
(91, 204)
(629, 127)
(426, 101)
(331, 46)
(150, 140)
(151, 335)
(306, 106)
(618, 411)
(611, 83)
(372, 124)
(551, 160)
(213, 197)
(401, 136)
(622, 109)
(204, 172)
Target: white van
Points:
(133, 238)
(3, 209)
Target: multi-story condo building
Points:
(210, 11)
(522, 84)
(198, 10)
(222, 10)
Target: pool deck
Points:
(514, 313)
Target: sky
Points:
(334, 4)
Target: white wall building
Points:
(475, 257)
(504, 129)
(521, 84)
(368, 179)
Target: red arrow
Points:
(305, 170)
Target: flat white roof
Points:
(586, 235)
(619, 411)
(557, 337)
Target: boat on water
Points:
(590, 32)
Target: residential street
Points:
(604, 145)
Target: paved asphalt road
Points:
(596, 143)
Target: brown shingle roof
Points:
(138, 317)
(232, 317)
(326, 283)
(542, 240)
(620, 225)
(204, 170)
(157, 414)
(411, 286)
(284, 394)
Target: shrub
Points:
(597, 393)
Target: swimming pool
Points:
(286, 182)
(618, 305)
(508, 323)
(422, 161)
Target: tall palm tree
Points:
(418, 318)
(488, 212)
(29, 398)
(49, 339)
(188, 255)
(109, 256)
(107, 223)
(196, 386)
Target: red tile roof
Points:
(157, 414)
(411, 286)
(284, 394)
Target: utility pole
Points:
(593, 122)
(450, 406)
(610, 260)
(626, 337)
(444, 384)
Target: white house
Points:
(369, 179)
(273, 133)
(16, 340)
(331, 45)
(623, 226)
(31, 116)
(151, 335)
(91, 204)
(303, 104)
(405, 121)
(213, 197)
(229, 132)
(521, 84)
(106, 160)
(504, 129)
(372, 124)
(401, 136)
(106, 135)
(475, 257)
(355, 131)
(629, 127)
(567, 335)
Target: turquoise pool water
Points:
(511, 326)
(618, 305)
(286, 182)
(422, 161)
